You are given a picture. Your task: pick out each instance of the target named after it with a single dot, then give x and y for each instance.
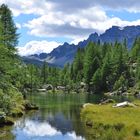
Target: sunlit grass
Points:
(107, 115)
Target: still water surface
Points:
(57, 119)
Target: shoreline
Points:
(106, 121)
(8, 120)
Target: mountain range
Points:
(65, 53)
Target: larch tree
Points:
(8, 35)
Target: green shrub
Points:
(136, 132)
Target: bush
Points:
(11, 98)
(136, 132)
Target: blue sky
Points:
(45, 24)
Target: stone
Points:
(107, 101)
(125, 94)
(86, 104)
(30, 106)
(41, 90)
(124, 104)
(113, 93)
(49, 87)
(61, 87)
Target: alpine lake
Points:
(58, 118)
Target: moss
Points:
(110, 123)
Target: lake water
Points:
(57, 119)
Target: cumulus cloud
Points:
(18, 25)
(69, 25)
(41, 7)
(77, 40)
(42, 130)
(74, 19)
(37, 47)
(37, 7)
(70, 18)
(79, 25)
(72, 5)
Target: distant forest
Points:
(99, 68)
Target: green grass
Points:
(123, 123)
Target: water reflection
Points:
(41, 131)
(57, 119)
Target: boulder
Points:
(61, 87)
(47, 87)
(82, 85)
(41, 90)
(125, 94)
(137, 93)
(107, 101)
(124, 104)
(30, 106)
(86, 104)
(113, 93)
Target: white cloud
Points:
(71, 18)
(37, 7)
(74, 137)
(77, 40)
(78, 25)
(75, 19)
(18, 25)
(42, 130)
(41, 7)
(37, 47)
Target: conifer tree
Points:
(8, 34)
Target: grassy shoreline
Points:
(108, 123)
